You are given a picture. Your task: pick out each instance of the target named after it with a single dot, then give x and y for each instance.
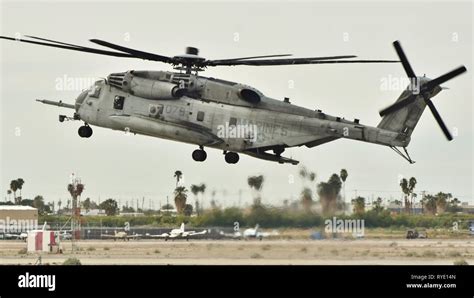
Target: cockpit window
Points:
(81, 97)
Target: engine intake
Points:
(249, 95)
(145, 87)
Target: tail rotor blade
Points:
(446, 77)
(403, 58)
(398, 105)
(439, 119)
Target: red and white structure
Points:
(40, 241)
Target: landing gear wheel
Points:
(199, 155)
(231, 157)
(85, 131)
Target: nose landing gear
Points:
(85, 131)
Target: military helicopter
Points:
(235, 118)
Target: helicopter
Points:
(208, 112)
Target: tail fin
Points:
(182, 227)
(405, 119)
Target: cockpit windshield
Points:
(80, 99)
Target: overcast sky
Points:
(436, 36)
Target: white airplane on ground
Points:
(20, 236)
(121, 236)
(250, 233)
(178, 234)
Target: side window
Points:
(118, 102)
(200, 116)
(232, 121)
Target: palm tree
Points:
(202, 190)
(343, 176)
(195, 189)
(411, 188)
(406, 192)
(442, 201)
(178, 174)
(429, 204)
(455, 202)
(378, 205)
(14, 188)
(20, 184)
(307, 199)
(180, 197)
(359, 205)
(306, 193)
(329, 193)
(256, 183)
(9, 193)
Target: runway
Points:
(252, 252)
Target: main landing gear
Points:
(231, 157)
(199, 154)
(85, 131)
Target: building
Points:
(17, 212)
(16, 218)
(93, 212)
(466, 208)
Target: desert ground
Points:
(251, 252)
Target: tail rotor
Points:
(427, 89)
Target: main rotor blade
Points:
(298, 61)
(137, 53)
(225, 62)
(73, 48)
(406, 65)
(398, 105)
(438, 119)
(446, 77)
(54, 41)
(254, 57)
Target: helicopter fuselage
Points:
(217, 114)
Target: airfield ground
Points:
(252, 252)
